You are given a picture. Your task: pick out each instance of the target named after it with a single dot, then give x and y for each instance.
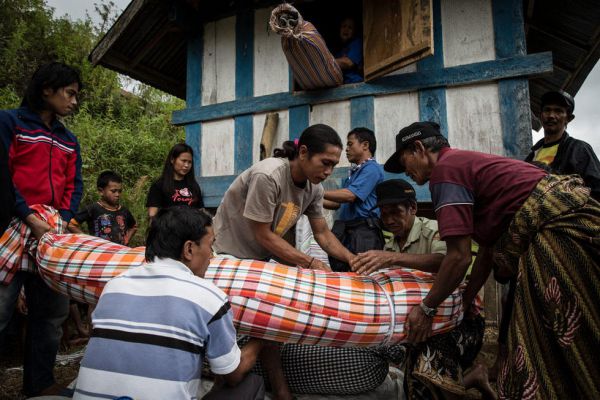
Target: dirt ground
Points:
(67, 366)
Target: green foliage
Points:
(129, 133)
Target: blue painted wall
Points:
(244, 88)
(515, 111)
(432, 102)
(193, 132)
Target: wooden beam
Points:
(116, 30)
(117, 61)
(214, 187)
(485, 71)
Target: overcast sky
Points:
(587, 103)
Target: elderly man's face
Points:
(416, 165)
(398, 218)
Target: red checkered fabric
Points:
(269, 300)
(18, 247)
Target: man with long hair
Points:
(45, 166)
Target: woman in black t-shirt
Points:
(177, 184)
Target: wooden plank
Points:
(362, 112)
(193, 132)
(515, 110)
(337, 116)
(214, 187)
(218, 147)
(271, 69)
(474, 118)
(116, 30)
(244, 88)
(468, 34)
(397, 33)
(432, 102)
(244, 55)
(193, 137)
(219, 66)
(193, 91)
(209, 64)
(392, 113)
(454, 76)
(299, 117)
(281, 133)
(243, 142)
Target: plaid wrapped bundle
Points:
(18, 247)
(269, 300)
(311, 61)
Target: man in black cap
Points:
(540, 229)
(416, 243)
(561, 152)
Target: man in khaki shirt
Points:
(416, 242)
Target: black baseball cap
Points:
(561, 98)
(407, 135)
(394, 191)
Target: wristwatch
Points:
(430, 312)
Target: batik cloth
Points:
(552, 246)
(435, 367)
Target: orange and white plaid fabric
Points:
(269, 300)
(18, 247)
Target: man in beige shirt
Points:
(416, 242)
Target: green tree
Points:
(129, 133)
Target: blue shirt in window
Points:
(354, 51)
(361, 183)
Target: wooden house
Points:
(477, 67)
(466, 64)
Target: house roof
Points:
(149, 40)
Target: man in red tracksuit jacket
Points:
(45, 165)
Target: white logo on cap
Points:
(412, 135)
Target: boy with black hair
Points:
(154, 324)
(44, 161)
(106, 218)
(358, 226)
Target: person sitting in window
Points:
(350, 55)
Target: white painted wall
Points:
(467, 31)
(336, 115)
(474, 118)
(217, 156)
(281, 135)
(271, 70)
(392, 113)
(473, 111)
(218, 63)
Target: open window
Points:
(394, 33)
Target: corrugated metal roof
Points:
(149, 40)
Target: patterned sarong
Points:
(553, 247)
(311, 61)
(269, 300)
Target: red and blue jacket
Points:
(45, 164)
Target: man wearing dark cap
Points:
(417, 245)
(540, 229)
(416, 242)
(561, 152)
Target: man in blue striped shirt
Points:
(154, 324)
